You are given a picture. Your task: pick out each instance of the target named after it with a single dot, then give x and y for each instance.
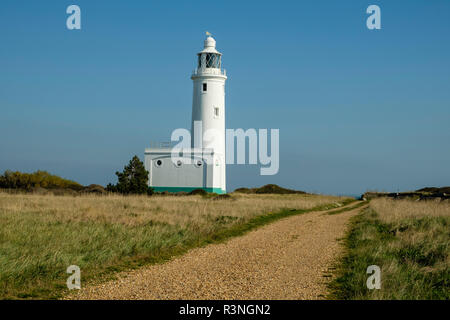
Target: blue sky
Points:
(357, 109)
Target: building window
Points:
(205, 87)
(216, 112)
(178, 163)
(158, 163)
(198, 163)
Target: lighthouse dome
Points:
(210, 46)
(210, 42)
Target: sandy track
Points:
(288, 259)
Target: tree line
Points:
(38, 179)
(132, 180)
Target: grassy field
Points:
(408, 240)
(41, 235)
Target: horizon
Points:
(357, 109)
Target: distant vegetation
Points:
(132, 180)
(408, 240)
(42, 182)
(435, 190)
(428, 193)
(38, 179)
(268, 189)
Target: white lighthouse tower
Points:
(208, 108)
(202, 166)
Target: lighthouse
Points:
(208, 107)
(202, 166)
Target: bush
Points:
(38, 179)
(94, 188)
(269, 189)
(200, 192)
(224, 196)
(132, 180)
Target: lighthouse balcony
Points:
(209, 71)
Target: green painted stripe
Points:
(188, 189)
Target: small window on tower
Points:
(216, 112)
(205, 86)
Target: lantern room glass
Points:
(209, 60)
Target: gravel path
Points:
(288, 259)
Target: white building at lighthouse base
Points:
(191, 170)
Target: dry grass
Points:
(139, 210)
(409, 241)
(41, 235)
(391, 210)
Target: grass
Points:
(408, 240)
(41, 235)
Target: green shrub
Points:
(132, 180)
(269, 189)
(199, 192)
(38, 179)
